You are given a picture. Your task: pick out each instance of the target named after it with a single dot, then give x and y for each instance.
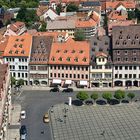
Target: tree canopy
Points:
(94, 96)
(72, 8)
(107, 95)
(79, 35)
(59, 9)
(19, 3)
(82, 95)
(131, 95)
(27, 16)
(119, 94)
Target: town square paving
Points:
(119, 122)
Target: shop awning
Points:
(68, 82)
(83, 83)
(56, 81)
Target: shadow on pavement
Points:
(101, 102)
(77, 102)
(113, 102)
(125, 101)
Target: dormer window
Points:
(136, 36)
(73, 51)
(100, 50)
(15, 45)
(93, 49)
(126, 52)
(76, 59)
(81, 51)
(17, 39)
(22, 39)
(68, 59)
(124, 42)
(65, 51)
(53, 59)
(117, 42)
(16, 51)
(10, 51)
(120, 37)
(60, 59)
(133, 42)
(22, 51)
(57, 51)
(84, 59)
(20, 45)
(95, 43)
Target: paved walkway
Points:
(119, 122)
(80, 89)
(13, 130)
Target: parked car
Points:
(54, 89)
(68, 90)
(23, 114)
(23, 132)
(46, 118)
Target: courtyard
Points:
(119, 122)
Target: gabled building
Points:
(17, 55)
(16, 28)
(39, 69)
(100, 62)
(69, 63)
(126, 55)
(5, 100)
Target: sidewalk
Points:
(13, 130)
(81, 89)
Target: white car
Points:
(23, 114)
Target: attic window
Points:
(133, 42)
(84, 59)
(60, 59)
(10, 51)
(53, 59)
(20, 45)
(76, 59)
(93, 49)
(17, 39)
(57, 51)
(68, 58)
(128, 37)
(22, 51)
(65, 51)
(15, 45)
(73, 51)
(95, 43)
(16, 51)
(117, 42)
(136, 37)
(22, 39)
(124, 42)
(120, 32)
(106, 43)
(81, 51)
(120, 37)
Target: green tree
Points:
(13, 81)
(94, 96)
(131, 96)
(131, 15)
(20, 82)
(59, 9)
(107, 96)
(79, 35)
(119, 94)
(43, 27)
(72, 8)
(82, 95)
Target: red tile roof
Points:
(70, 53)
(18, 45)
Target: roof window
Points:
(60, 59)
(68, 59)
(73, 51)
(20, 45)
(57, 51)
(22, 51)
(17, 39)
(84, 59)
(53, 58)
(76, 59)
(81, 51)
(16, 51)
(22, 39)
(65, 51)
(15, 45)
(10, 51)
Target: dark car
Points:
(54, 89)
(68, 90)
(23, 132)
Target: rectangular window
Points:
(19, 67)
(116, 75)
(66, 75)
(62, 74)
(59, 67)
(86, 76)
(55, 67)
(74, 67)
(134, 75)
(78, 75)
(135, 67)
(26, 75)
(116, 67)
(54, 74)
(74, 75)
(62, 67)
(78, 68)
(126, 76)
(83, 68)
(130, 75)
(130, 67)
(18, 74)
(82, 76)
(50, 74)
(120, 75)
(126, 67)
(86, 68)
(120, 67)
(58, 74)
(22, 75)
(66, 67)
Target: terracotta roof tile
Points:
(70, 53)
(18, 45)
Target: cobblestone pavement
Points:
(118, 122)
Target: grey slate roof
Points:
(90, 3)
